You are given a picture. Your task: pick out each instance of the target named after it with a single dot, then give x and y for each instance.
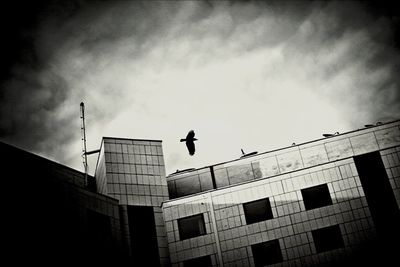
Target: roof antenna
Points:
(84, 151)
(83, 133)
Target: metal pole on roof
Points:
(83, 133)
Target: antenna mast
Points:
(83, 132)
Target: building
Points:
(133, 172)
(54, 216)
(51, 218)
(322, 203)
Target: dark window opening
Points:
(257, 211)
(198, 262)
(191, 226)
(316, 197)
(379, 194)
(143, 236)
(328, 238)
(267, 253)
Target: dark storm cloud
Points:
(29, 94)
(33, 90)
(61, 53)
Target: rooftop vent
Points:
(372, 125)
(330, 135)
(247, 154)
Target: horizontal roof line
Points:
(274, 150)
(132, 139)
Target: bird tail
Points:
(183, 140)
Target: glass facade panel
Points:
(240, 173)
(314, 155)
(206, 181)
(188, 185)
(221, 177)
(172, 189)
(269, 166)
(256, 170)
(289, 161)
(339, 149)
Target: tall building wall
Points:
(134, 174)
(100, 218)
(54, 218)
(391, 159)
(323, 203)
(230, 237)
(286, 219)
(101, 173)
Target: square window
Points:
(267, 253)
(191, 226)
(316, 196)
(328, 238)
(257, 211)
(198, 262)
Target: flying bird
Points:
(190, 142)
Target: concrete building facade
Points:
(329, 202)
(51, 218)
(133, 172)
(61, 216)
(325, 202)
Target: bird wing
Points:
(191, 147)
(190, 135)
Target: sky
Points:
(251, 75)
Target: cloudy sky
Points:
(250, 75)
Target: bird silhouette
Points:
(190, 142)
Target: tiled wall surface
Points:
(181, 250)
(51, 219)
(133, 172)
(391, 160)
(100, 204)
(101, 175)
(69, 186)
(288, 159)
(229, 237)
